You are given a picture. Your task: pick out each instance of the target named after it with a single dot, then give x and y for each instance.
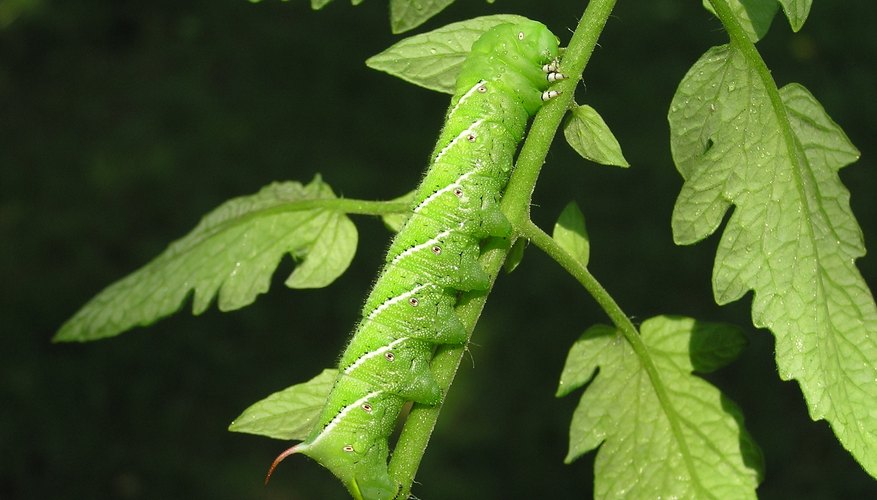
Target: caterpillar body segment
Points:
(425, 312)
(433, 258)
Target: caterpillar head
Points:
(536, 42)
(510, 57)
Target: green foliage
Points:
(432, 60)
(570, 233)
(754, 15)
(405, 15)
(737, 140)
(408, 14)
(591, 138)
(290, 413)
(683, 436)
(796, 11)
(231, 254)
(792, 239)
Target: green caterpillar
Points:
(410, 310)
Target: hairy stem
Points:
(518, 194)
(516, 205)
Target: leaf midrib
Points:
(798, 170)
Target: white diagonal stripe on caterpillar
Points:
(475, 88)
(389, 302)
(449, 187)
(343, 413)
(417, 248)
(462, 135)
(369, 355)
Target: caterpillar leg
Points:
(550, 94)
(552, 75)
(551, 72)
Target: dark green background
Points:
(123, 122)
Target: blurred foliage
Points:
(10, 10)
(123, 122)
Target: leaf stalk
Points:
(621, 321)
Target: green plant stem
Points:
(740, 41)
(346, 205)
(516, 202)
(570, 264)
(621, 321)
(519, 192)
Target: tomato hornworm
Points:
(434, 257)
